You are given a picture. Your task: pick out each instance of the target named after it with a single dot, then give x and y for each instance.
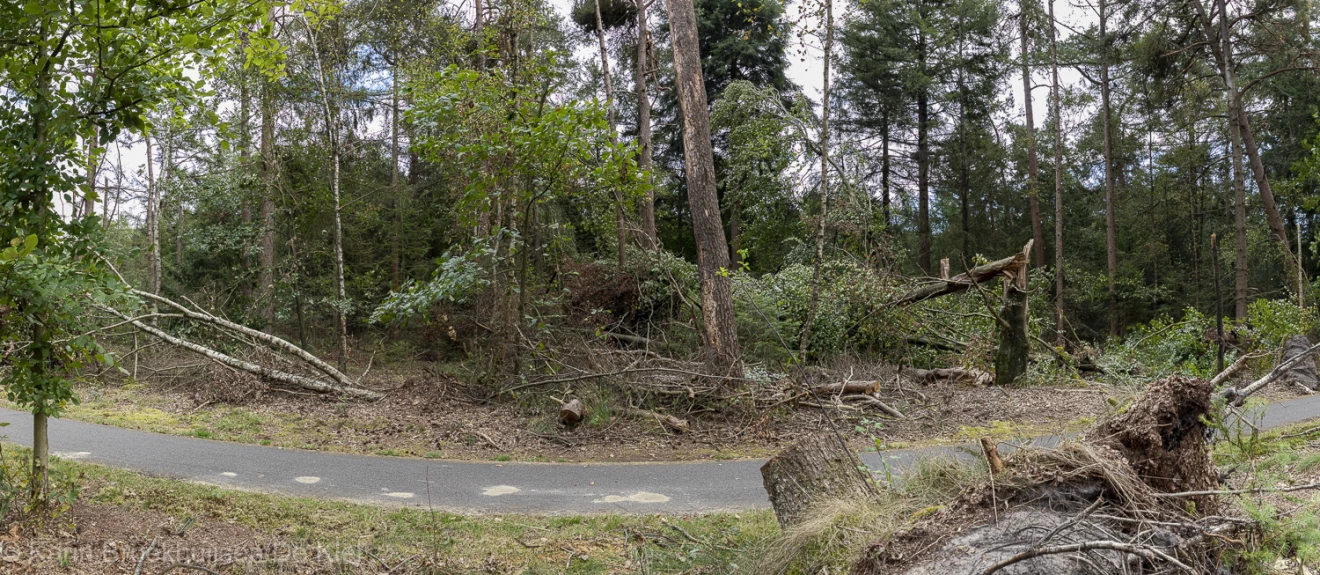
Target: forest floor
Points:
(119, 515)
(430, 416)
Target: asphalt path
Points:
(472, 487)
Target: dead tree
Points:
(816, 469)
(1014, 340)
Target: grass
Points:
(511, 543)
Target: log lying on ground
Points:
(816, 469)
(964, 281)
(669, 422)
(319, 385)
(572, 412)
(954, 374)
(847, 388)
(1232, 370)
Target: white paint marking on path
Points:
(307, 479)
(639, 497)
(400, 495)
(229, 474)
(499, 490)
(70, 454)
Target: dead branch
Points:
(1143, 551)
(871, 400)
(668, 422)
(1232, 370)
(320, 385)
(848, 388)
(972, 376)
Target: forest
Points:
(971, 286)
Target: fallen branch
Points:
(304, 382)
(964, 281)
(1236, 396)
(273, 341)
(1255, 491)
(1232, 370)
(1147, 553)
(848, 388)
(973, 376)
(882, 406)
(668, 422)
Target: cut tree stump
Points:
(571, 412)
(818, 468)
(1303, 371)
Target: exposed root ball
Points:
(1163, 438)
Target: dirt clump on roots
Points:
(1163, 438)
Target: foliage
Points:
(456, 276)
(1274, 321)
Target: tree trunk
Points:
(620, 227)
(923, 167)
(712, 256)
(395, 278)
(812, 471)
(1033, 167)
(1014, 349)
(1239, 223)
(814, 302)
(964, 177)
(153, 217)
(976, 276)
(640, 67)
(1111, 205)
(1058, 179)
(884, 166)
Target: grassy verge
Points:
(432, 541)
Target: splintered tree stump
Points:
(815, 469)
(1303, 372)
(1014, 349)
(572, 412)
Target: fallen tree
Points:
(962, 282)
(309, 383)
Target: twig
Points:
(189, 566)
(1148, 553)
(489, 440)
(629, 369)
(690, 537)
(137, 570)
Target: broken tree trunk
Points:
(669, 422)
(964, 281)
(953, 374)
(1014, 350)
(1236, 396)
(304, 382)
(816, 469)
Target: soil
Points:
(435, 416)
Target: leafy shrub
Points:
(1274, 321)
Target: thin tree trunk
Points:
(884, 166)
(620, 227)
(332, 129)
(1111, 205)
(39, 349)
(640, 67)
(923, 166)
(1239, 222)
(269, 172)
(153, 222)
(712, 256)
(814, 302)
(245, 171)
(395, 279)
(1058, 179)
(964, 179)
(1033, 167)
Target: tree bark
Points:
(814, 302)
(1033, 166)
(1058, 179)
(712, 256)
(640, 67)
(153, 219)
(812, 471)
(1239, 222)
(395, 192)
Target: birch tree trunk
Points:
(269, 173)
(712, 255)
